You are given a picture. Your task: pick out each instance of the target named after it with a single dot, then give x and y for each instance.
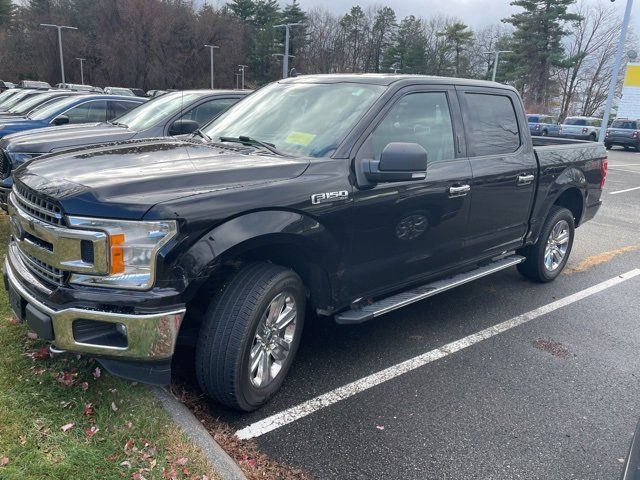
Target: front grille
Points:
(5, 164)
(46, 272)
(36, 205)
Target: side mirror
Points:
(183, 127)
(399, 162)
(60, 120)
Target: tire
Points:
(545, 133)
(607, 146)
(593, 137)
(534, 267)
(229, 334)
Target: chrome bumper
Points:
(149, 336)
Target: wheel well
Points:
(572, 200)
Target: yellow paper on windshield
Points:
(300, 138)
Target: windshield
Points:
(308, 119)
(576, 121)
(6, 94)
(52, 108)
(532, 118)
(16, 99)
(121, 91)
(625, 124)
(157, 110)
(27, 105)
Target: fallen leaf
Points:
(32, 335)
(186, 472)
(96, 373)
(112, 457)
(182, 461)
(205, 477)
(89, 410)
(84, 386)
(128, 446)
(92, 431)
(128, 424)
(66, 427)
(14, 320)
(22, 439)
(66, 379)
(42, 354)
(380, 427)
(114, 406)
(137, 476)
(126, 463)
(4, 461)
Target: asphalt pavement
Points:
(549, 388)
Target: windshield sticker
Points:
(300, 138)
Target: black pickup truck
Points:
(343, 195)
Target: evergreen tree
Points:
(457, 37)
(354, 28)
(6, 12)
(383, 35)
(408, 55)
(537, 44)
(297, 36)
(243, 9)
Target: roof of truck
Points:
(387, 79)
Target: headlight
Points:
(132, 249)
(18, 158)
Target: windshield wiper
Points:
(201, 134)
(253, 142)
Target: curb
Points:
(222, 463)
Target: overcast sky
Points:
(475, 13)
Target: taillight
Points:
(585, 130)
(606, 134)
(538, 126)
(634, 134)
(603, 172)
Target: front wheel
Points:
(250, 335)
(548, 256)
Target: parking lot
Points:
(500, 378)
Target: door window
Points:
(120, 108)
(88, 112)
(492, 125)
(421, 118)
(206, 111)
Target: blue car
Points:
(71, 110)
(543, 125)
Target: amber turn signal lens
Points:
(116, 265)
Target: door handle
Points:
(459, 190)
(525, 179)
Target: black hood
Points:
(125, 181)
(52, 139)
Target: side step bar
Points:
(388, 304)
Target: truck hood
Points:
(53, 139)
(126, 180)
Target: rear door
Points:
(504, 170)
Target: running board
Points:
(388, 304)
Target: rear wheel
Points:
(545, 133)
(548, 256)
(593, 137)
(250, 335)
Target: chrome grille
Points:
(36, 205)
(5, 164)
(41, 269)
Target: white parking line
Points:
(341, 393)
(613, 169)
(624, 164)
(625, 190)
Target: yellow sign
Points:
(632, 75)
(300, 138)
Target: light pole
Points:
(242, 67)
(285, 57)
(496, 56)
(211, 48)
(60, 27)
(614, 71)
(81, 70)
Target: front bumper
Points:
(145, 337)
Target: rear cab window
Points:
(491, 124)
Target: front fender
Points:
(241, 234)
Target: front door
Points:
(404, 231)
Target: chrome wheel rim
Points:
(557, 246)
(272, 343)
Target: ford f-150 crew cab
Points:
(342, 195)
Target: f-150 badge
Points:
(317, 198)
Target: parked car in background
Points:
(176, 113)
(543, 125)
(78, 87)
(155, 93)
(76, 109)
(5, 85)
(138, 92)
(581, 128)
(30, 104)
(34, 84)
(7, 94)
(344, 195)
(20, 96)
(118, 91)
(623, 132)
